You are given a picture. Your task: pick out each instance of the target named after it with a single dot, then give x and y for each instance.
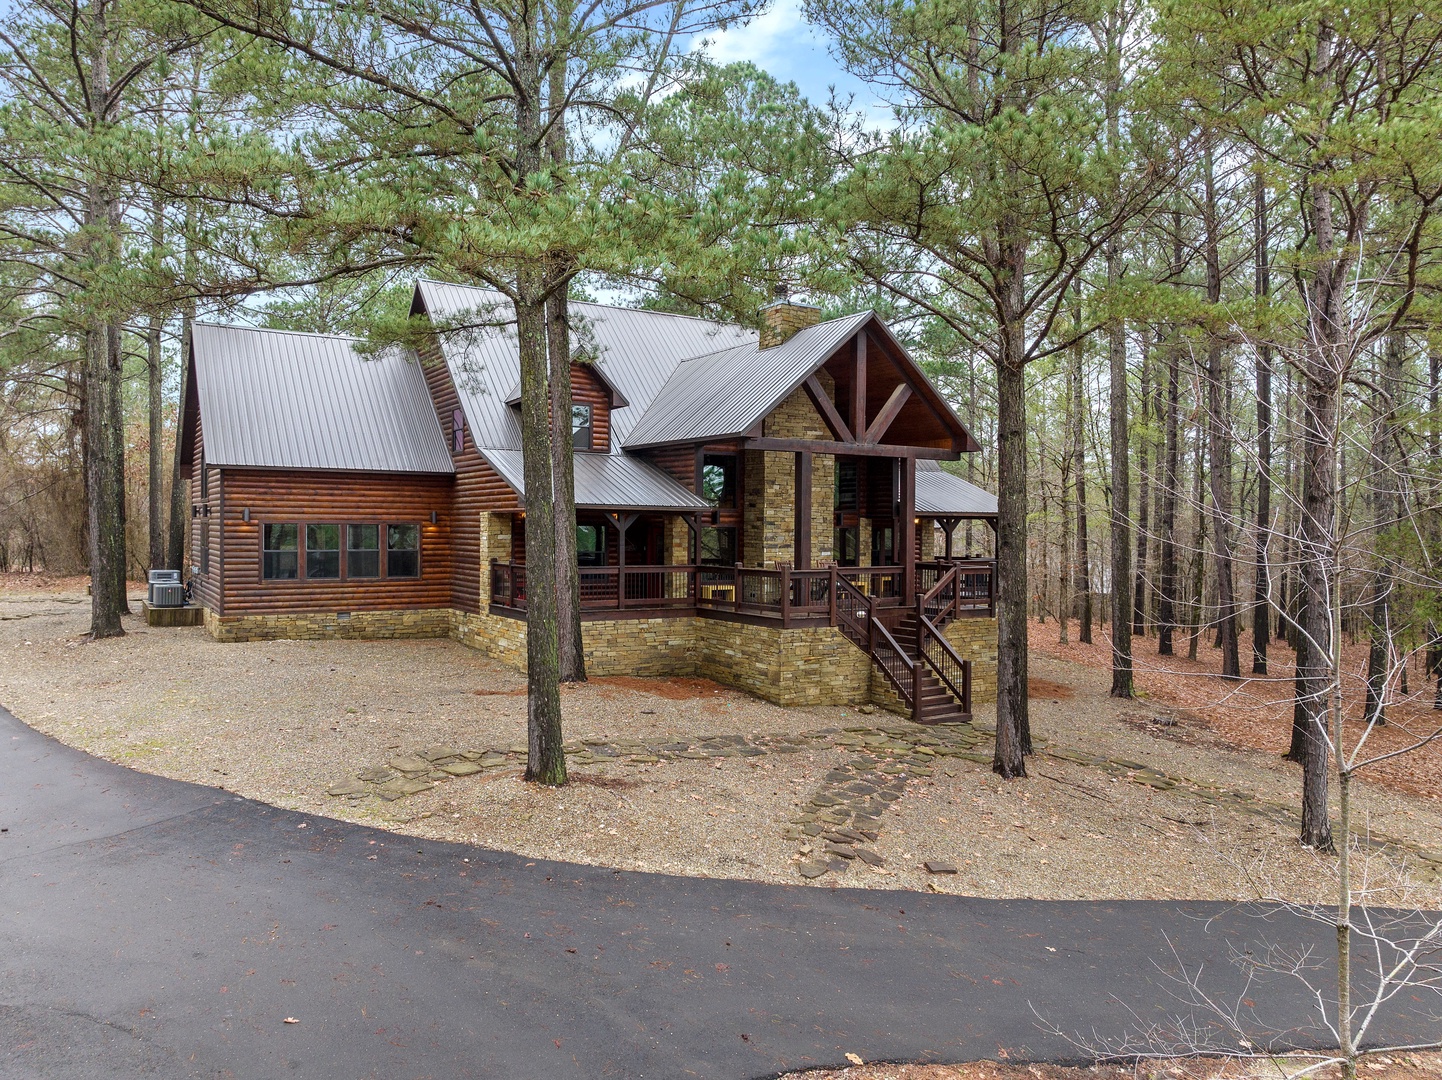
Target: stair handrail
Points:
(906, 692)
(858, 624)
(926, 631)
(952, 578)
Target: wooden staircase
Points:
(922, 667)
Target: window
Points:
(590, 545)
(847, 545)
(458, 432)
(322, 551)
(204, 478)
(581, 427)
(279, 560)
(205, 546)
(403, 551)
(718, 480)
(363, 551)
(846, 486)
(718, 546)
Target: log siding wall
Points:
(477, 489)
(309, 497)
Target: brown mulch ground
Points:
(1256, 711)
(1415, 1066)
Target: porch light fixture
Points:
(433, 517)
(245, 515)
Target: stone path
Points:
(846, 813)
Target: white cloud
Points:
(769, 41)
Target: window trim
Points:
(302, 524)
(299, 550)
(589, 427)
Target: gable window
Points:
(280, 552)
(581, 427)
(458, 432)
(718, 480)
(403, 551)
(322, 551)
(204, 478)
(590, 545)
(363, 551)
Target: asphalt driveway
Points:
(156, 928)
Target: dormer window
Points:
(581, 427)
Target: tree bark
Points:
(563, 473)
(1386, 513)
(1121, 501)
(1219, 451)
(1013, 728)
(1171, 455)
(1261, 599)
(546, 759)
(563, 463)
(1081, 569)
(104, 444)
(155, 380)
(1144, 495)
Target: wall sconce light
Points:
(433, 517)
(245, 515)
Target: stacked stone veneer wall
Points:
(424, 623)
(802, 665)
(770, 487)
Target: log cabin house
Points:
(767, 510)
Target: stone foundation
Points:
(425, 623)
(802, 665)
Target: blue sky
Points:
(782, 42)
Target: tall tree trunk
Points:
(1064, 566)
(1219, 451)
(1386, 513)
(1317, 535)
(563, 471)
(155, 380)
(1013, 728)
(179, 487)
(104, 443)
(1121, 501)
(563, 464)
(546, 759)
(1261, 599)
(1081, 568)
(1167, 525)
(1144, 493)
(1199, 549)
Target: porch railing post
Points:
(785, 569)
(831, 585)
(736, 591)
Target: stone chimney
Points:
(782, 318)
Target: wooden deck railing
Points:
(782, 593)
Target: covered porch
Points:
(784, 595)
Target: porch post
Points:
(802, 556)
(858, 388)
(908, 526)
